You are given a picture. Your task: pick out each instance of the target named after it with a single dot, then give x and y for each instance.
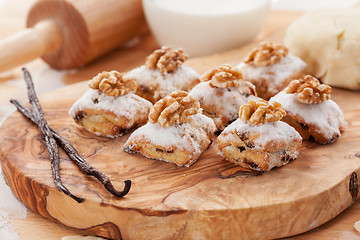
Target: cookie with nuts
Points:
(176, 132)
(221, 92)
(270, 68)
(163, 73)
(311, 111)
(110, 107)
(258, 140)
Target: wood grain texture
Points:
(212, 198)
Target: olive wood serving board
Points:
(212, 199)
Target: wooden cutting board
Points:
(212, 199)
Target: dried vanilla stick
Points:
(75, 157)
(37, 117)
(49, 139)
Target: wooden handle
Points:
(91, 28)
(29, 44)
(69, 34)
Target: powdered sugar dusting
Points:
(166, 137)
(327, 116)
(122, 106)
(165, 82)
(6, 230)
(171, 136)
(276, 73)
(9, 205)
(275, 135)
(178, 136)
(348, 235)
(226, 101)
(268, 133)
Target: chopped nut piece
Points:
(175, 107)
(357, 226)
(113, 83)
(224, 77)
(309, 90)
(261, 112)
(266, 54)
(165, 59)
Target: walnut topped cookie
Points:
(110, 107)
(221, 92)
(258, 140)
(177, 131)
(270, 68)
(311, 111)
(163, 73)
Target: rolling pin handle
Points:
(29, 44)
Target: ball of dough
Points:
(329, 42)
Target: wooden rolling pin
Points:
(69, 34)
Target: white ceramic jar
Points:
(203, 27)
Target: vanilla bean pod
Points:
(49, 138)
(74, 155)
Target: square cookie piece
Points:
(163, 73)
(181, 144)
(109, 116)
(259, 147)
(310, 110)
(323, 122)
(221, 93)
(270, 68)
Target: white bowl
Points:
(203, 27)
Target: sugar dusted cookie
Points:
(257, 140)
(270, 68)
(177, 132)
(163, 73)
(310, 110)
(221, 93)
(110, 107)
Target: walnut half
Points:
(165, 59)
(266, 54)
(224, 76)
(261, 112)
(176, 107)
(309, 90)
(113, 83)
